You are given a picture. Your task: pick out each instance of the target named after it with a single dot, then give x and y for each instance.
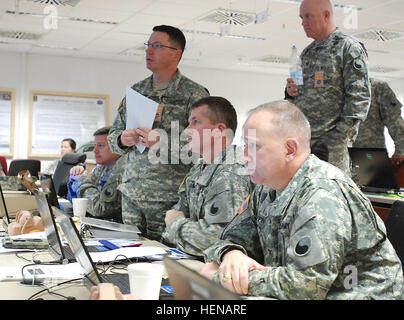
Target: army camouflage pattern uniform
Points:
(210, 197)
(103, 202)
(385, 110)
(311, 236)
(339, 98)
(149, 190)
(11, 183)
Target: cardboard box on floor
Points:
(19, 200)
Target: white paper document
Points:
(140, 112)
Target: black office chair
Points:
(395, 228)
(62, 172)
(17, 165)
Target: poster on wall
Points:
(56, 116)
(7, 105)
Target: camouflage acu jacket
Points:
(385, 110)
(104, 203)
(210, 197)
(143, 180)
(320, 238)
(335, 95)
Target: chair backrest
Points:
(62, 171)
(395, 228)
(3, 162)
(33, 165)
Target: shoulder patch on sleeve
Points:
(245, 205)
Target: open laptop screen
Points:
(190, 285)
(76, 245)
(55, 244)
(49, 188)
(373, 169)
(3, 207)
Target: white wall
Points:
(26, 72)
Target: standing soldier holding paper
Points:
(149, 190)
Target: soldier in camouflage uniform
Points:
(385, 110)
(309, 232)
(100, 186)
(335, 95)
(215, 186)
(149, 189)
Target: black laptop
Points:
(3, 211)
(373, 170)
(48, 187)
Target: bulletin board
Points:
(7, 119)
(55, 116)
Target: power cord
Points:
(55, 293)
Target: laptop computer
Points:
(48, 187)
(190, 285)
(3, 210)
(92, 277)
(374, 170)
(59, 252)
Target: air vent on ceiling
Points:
(58, 2)
(382, 69)
(274, 59)
(19, 35)
(225, 16)
(136, 51)
(218, 34)
(38, 15)
(380, 35)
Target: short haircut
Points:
(219, 110)
(175, 35)
(72, 143)
(287, 119)
(102, 131)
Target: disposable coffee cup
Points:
(145, 280)
(79, 207)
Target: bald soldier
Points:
(335, 96)
(308, 232)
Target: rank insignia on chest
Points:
(159, 113)
(319, 79)
(185, 178)
(245, 205)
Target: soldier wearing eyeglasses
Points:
(149, 190)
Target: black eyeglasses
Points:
(157, 45)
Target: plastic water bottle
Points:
(296, 71)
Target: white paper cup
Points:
(79, 207)
(145, 280)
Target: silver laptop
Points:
(190, 285)
(92, 277)
(59, 252)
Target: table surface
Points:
(14, 290)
